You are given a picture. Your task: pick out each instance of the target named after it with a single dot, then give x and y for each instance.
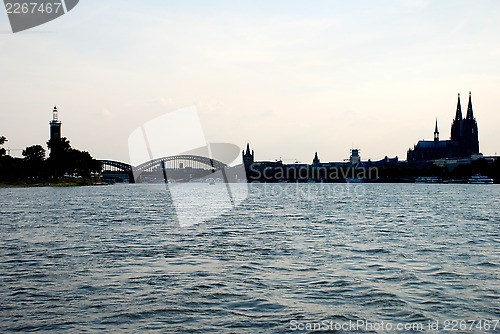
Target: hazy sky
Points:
(292, 77)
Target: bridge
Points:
(116, 171)
(194, 165)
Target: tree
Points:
(58, 159)
(3, 140)
(66, 160)
(80, 163)
(35, 153)
(58, 146)
(34, 161)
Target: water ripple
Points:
(109, 259)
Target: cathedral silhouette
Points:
(464, 142)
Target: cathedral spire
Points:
(470, 114)
(436, 132)
(316, 160)
(458, 116)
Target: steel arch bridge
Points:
(172, 162)
(194, 161)
(111, 165)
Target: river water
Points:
(289, 258)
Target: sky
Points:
(289, 77)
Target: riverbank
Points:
(4, 185)
(51, 183)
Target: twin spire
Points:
(458, 116)
(470, 113)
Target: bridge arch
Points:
(119, 171)
(115, 166)
(194, 160)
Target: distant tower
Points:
(470, 138)
(458, 115)
(470, 114)
(316, 159)
(456, 127)
(355, 158)
(248, 157)
(55, 126)
(436, 132)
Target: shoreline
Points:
(5, 185)
(49, 184)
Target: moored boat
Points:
(478, 179)
(430, 179)
(354, 180)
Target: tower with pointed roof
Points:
(470, 138)
(456, 127)
(248, 157)
(464, 132)
(316, 160)
(436, 132)
(470, 113)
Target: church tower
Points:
(316, 160)
(464, 132)
(248, 157)
(456, 127)
(470, 138)
(470, 113)
(436, 132)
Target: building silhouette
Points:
(316, 161)
(328, 172)
(248, 157)
(464, 134)
(463, 143)
(55, 140)
(55, 126)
